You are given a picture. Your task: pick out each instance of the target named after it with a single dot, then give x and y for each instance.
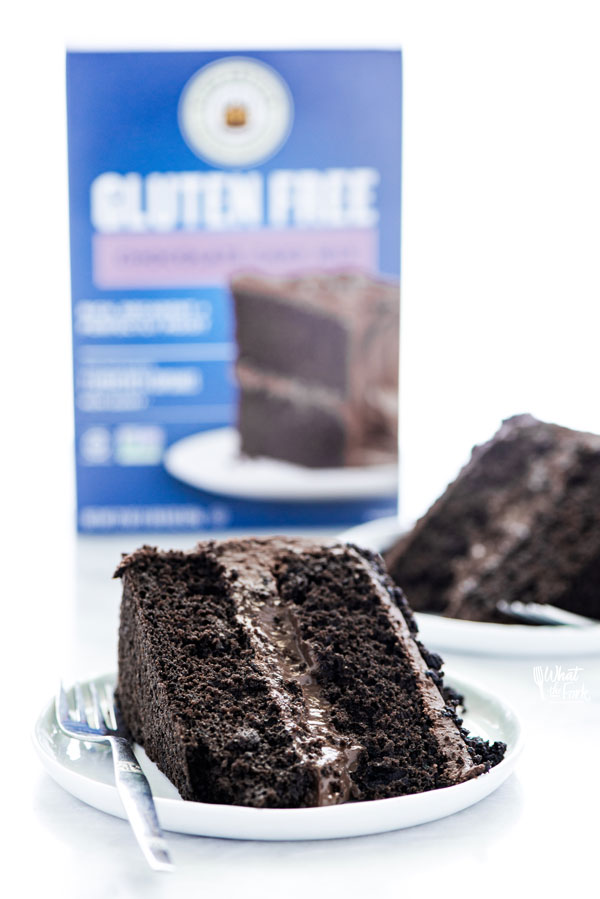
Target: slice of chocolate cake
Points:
(318, 368)
(282, 673)
(520, 522)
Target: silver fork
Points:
(538, 613)
(99, 722)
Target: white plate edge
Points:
(385, 483)
(294, 820)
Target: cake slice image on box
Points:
(317, 368)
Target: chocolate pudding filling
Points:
(286, 659)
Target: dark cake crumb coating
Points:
(281, 673)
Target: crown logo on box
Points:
(236, 116)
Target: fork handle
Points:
(136, 797)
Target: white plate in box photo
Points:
(212, 461)
(85, 770)
(482, 638)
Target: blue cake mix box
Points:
(235, 265)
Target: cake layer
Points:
(289, 428)
(281, 673)
(326, 330)
(287, 339)
(519, 522)
(284, 419)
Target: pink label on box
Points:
(190, 259)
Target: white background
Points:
(501, 288)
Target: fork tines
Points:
(93, 712)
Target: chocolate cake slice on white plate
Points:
(283, 673)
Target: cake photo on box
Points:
(520, 522)
(317, 368)
(282, 673)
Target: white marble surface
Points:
(542, 820)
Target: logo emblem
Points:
(235, 112)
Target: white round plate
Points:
(85, 770)
(456, 635)
(212, 461)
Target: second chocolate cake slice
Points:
(520, 522)
(282, 673)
